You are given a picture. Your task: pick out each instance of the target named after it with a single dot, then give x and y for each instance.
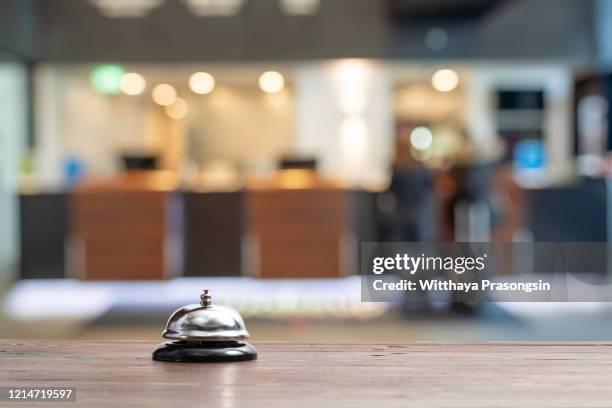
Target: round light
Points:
(178, 109)
(133, 84)
(421, 138)
(202, 83)
(106, 79)
(164, 94)
(271, 82)
(445, 80)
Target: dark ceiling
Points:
(76, 31)
(406, 10)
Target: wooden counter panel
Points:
(486, 375)
(120, 235)
(295, 259)
(298, 233)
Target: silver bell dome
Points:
(205, 322)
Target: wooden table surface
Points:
(121, 373)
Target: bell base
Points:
(203, 352)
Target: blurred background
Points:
(153, 148)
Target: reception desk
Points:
(136, 230)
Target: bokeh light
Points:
(201, 83)
(106, 79)
(164, 94)
(271, 82)
(133, 84)
(421, 138)
(445, 80)
(178, 109)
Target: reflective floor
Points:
(320, 311)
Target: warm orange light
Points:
(164, 94)
(178, 109)
(445, 80)
(271, 82)
(132, 84)
(201, 83)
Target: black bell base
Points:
(203, 352)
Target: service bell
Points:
(205, 333)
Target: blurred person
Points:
(408, 204)
(470, 211)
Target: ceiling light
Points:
(202, 83)
(271, 82)
(178, 109)
(164, 94)
(299, 7)
(219, 8)
(445, 80)
(126, 8)
(133, 83)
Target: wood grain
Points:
(299, 233)
(121, 233)
(121, 373)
